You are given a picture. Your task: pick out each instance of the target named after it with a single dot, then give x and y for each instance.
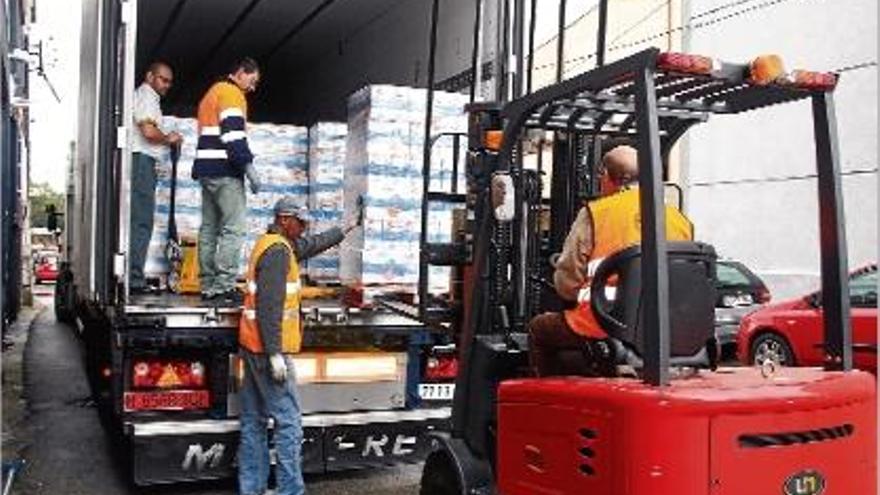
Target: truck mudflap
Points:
(180, 451)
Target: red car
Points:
(792, 331)
(46, 268)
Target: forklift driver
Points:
(603, 227)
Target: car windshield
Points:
(863, 288)
(729, 275)
(47, 259)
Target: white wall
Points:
(765, 213)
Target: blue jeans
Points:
(143, 204)
(261, 398)
(221, 233)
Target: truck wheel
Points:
(772, 346)
(439, 476)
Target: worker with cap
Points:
(603, 227)
(269, 336)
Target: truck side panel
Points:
(97, 171)
(83, 207)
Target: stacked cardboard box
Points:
(384, 167)
(281, 161)
(326, 166)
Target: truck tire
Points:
(439, 476)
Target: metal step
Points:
(443, 197)
(442, 313)
(445, 254)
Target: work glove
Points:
(278, 366)
(253, 178)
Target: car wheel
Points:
(771, 346)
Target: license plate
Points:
(436, 391)
(172, 400)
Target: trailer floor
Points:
(169, 300)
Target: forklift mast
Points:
(649, 99)
(574, 171)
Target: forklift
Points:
(664, 419)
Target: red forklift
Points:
(663, 418)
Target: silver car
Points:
(740, 292)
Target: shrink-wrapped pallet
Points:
(384, 167)
(281, 161)
(326, 167)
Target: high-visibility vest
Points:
(617, 225)
(248, 329)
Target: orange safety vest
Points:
(617, 225)
(248, 329)
(222, 115)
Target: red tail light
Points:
(820, 81)
(684, 62)
(763, 295)
(441, 368)
(763, 70)
(167, 374)
(167, 384)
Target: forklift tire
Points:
(439, 476)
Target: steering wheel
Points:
(601, 305)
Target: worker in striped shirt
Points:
(223, 158)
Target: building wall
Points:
(15, 263)
(632, 26)
(752, 189)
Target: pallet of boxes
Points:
(384, 167)
(280, 159)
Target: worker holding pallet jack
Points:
(149, 143)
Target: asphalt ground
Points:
(51, 423)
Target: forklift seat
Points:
(691, 267)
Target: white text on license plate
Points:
(436, 391)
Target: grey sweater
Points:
(271, 274)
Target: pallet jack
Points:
(181, 253)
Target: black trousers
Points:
(555, 349)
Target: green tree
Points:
(41, 198)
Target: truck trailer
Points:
(164, 367)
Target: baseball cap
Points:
(288, 205)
